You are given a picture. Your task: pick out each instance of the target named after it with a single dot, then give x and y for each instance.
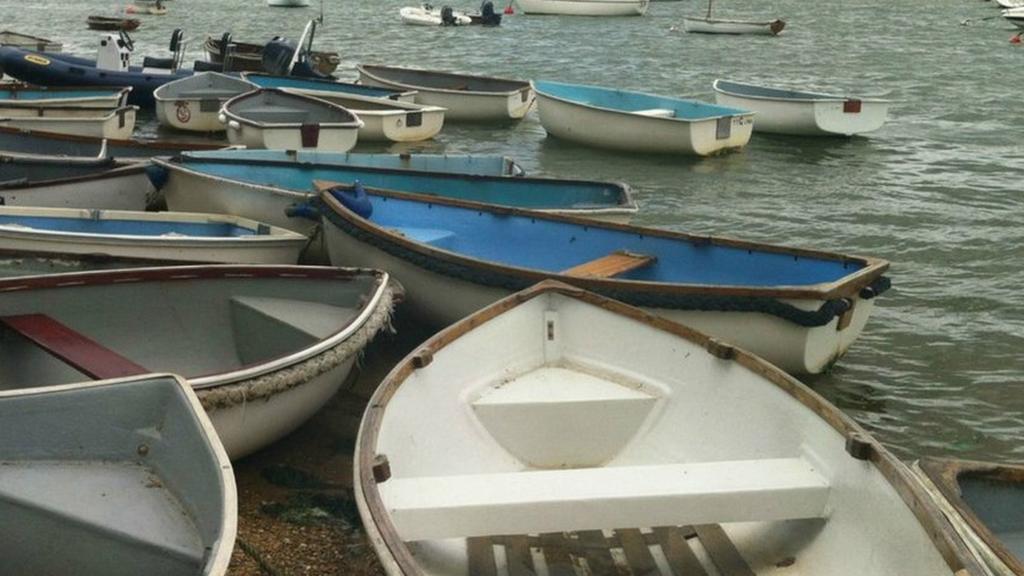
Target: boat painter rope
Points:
(828, 310)
(285, 379)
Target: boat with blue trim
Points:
(34, 97)
(639, 122)
(238, 182)
(800, 309)
(168, 236)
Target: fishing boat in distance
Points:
(264, 347)
(114, 478)
(584, 7)
(558, 428)
(984, 501)
(709, 25)
(275, 119)
(782, 111)
(639, 122)
(165, 236)
(467, 97)
(112, 24)
(800, 309)
(427, 15)
(288, 3)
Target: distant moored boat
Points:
(584, 7)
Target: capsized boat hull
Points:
(798, 330)
(584, 7)
(466, 98)
(601, 428)
(780, 111)
(683, 126)
(127, 475)
(262, 346)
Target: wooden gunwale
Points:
(849, 286)
(525, 84)
(945, 474)
(939, 531)
(116, 169)
(632, 114)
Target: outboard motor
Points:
(153, 65)
(277, 57)
(488, 16)
(115, 52)
(447, 16)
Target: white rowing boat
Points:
(279, 120)
(117, 124)
(193, 103)
(564, 430)
(584, 7)
(782, 111)
(386, 120)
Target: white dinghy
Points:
(112, 186)
(117, 124)
(114, 478)
(279, 120)
(34, 97)
(639, 122)
(427, 15)
(709, 25)
(264, 347)
(390, 120)
(193, 103)
(584, 7)
(468, 98)
(167, 236)
(781, 111)
(558, 429)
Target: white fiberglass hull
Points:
(464, 106)
(821, 116)
(125, 188)
(389, 120)
(442, 300)
(637, 133)
(599, 428)
(276, 246)
(290, 138)
(584, 7)
(191, 115)
(116, 125)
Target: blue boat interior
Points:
(133, 227)
(768, 92)
(999, 504)
(482, 164)
(267, 81)
(628, 101)
(530, 193)
(50, 94)
(557, 246)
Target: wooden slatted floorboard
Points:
(610, 266)
(592, 552)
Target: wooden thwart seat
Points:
(609, 266)
(435, 507)
(563, 552)
(78, 351)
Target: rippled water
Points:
(937, 191)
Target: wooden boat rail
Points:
(75, 349)
(563, 552)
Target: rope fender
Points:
(268, 385)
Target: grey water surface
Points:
(940, 367)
